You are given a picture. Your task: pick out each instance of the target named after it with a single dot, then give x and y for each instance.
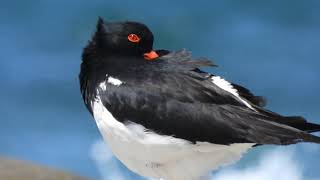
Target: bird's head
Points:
(125, 39)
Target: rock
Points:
(21, 170)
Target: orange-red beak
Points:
(150, 55)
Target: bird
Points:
(164, 117)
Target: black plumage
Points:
(172, 96)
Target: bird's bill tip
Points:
(150, 55)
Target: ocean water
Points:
(271, 47)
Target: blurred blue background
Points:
(272, 47)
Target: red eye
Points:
(134, 38)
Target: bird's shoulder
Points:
(183, 60)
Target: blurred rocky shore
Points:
(21, 170)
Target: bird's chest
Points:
(141, 152)
(153, 155)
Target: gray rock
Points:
(21, 170)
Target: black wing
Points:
(248, 95)
(184, 60)
(184, 57)
(168, 96)
(184, 106)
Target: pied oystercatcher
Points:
(163, 117)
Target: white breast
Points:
(156, 156)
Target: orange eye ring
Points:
(133, 38)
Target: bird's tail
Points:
(302, 124)
(311, 138)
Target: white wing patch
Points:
(114, 81)
(103, 86)
(225, 85)
(110, 80)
